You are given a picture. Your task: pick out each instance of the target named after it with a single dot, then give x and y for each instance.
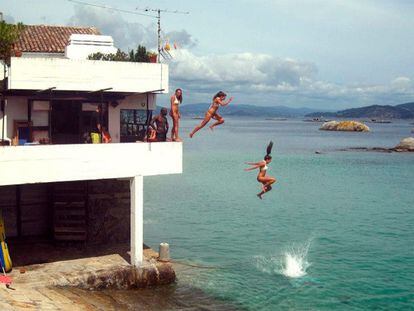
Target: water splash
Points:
(292, 263)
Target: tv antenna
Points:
(159, 11)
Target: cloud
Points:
(127, 35)
(243, 69)
(264, 79)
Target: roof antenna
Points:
(158, 11)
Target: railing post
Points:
(137, 219)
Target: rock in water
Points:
(329, 126)
(406, 144)
(352, 126)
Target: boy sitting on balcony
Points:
(160, 125)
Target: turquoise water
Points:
(336, 231)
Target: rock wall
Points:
(108, 211)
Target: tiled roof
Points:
(49, 39)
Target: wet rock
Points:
(349, 126)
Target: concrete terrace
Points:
(71, 284)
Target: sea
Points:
(335, 233)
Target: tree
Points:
(9, 34)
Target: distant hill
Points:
(403, 111)
(246, 110)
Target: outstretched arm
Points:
(252, 168)
(222, 103)
(252, 163)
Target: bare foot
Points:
(191, 135)
(259, 195)
(178, 139)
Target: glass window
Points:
(133, 124)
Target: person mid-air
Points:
(218, 100)
(266, 180)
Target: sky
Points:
(322, 54)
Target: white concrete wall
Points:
(86, 75)
(16, 109)
(138, 101)
(54, 163)
(82, 45)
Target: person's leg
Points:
(173, 128)
(266, 185)
(177, 126)
(219, 119)
(203, 123)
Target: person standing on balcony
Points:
(160, 125)
(96, 125)
(176, 100)
(218, 100)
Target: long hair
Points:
(180, 98)
(219, 94)
(269, 151)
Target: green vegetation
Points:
(141, 55)
(9, 34)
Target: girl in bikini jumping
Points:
(266, 181)
(218, 100)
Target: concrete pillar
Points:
(137, 219)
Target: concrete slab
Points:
(56, 285)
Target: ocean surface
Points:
(335, 233)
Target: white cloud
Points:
(127, 35)
(265, 79)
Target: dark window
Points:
(133, 124)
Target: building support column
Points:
(137, 219)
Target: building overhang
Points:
(71, 75)
(53, 94)
(56, 163)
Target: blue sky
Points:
(330, 54)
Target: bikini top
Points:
(176, 101)
(264, 168)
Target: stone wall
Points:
(108, 211)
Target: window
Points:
(133, 124)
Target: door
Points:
(66, 122)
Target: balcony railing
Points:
(86, 75)
(55, 163)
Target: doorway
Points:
(65, 122)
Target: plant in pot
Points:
(152, 57)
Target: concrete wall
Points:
(138, 101)
(86, 75)
(16, 109)
(52, 163)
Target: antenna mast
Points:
(158, 11)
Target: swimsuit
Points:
(264, 168)
(176, 101)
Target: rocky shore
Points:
(405, 145)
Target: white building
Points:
(48, 96)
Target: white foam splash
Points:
(292, 263)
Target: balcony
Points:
(56, 163)
(86, 75)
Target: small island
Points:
(347, 126)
